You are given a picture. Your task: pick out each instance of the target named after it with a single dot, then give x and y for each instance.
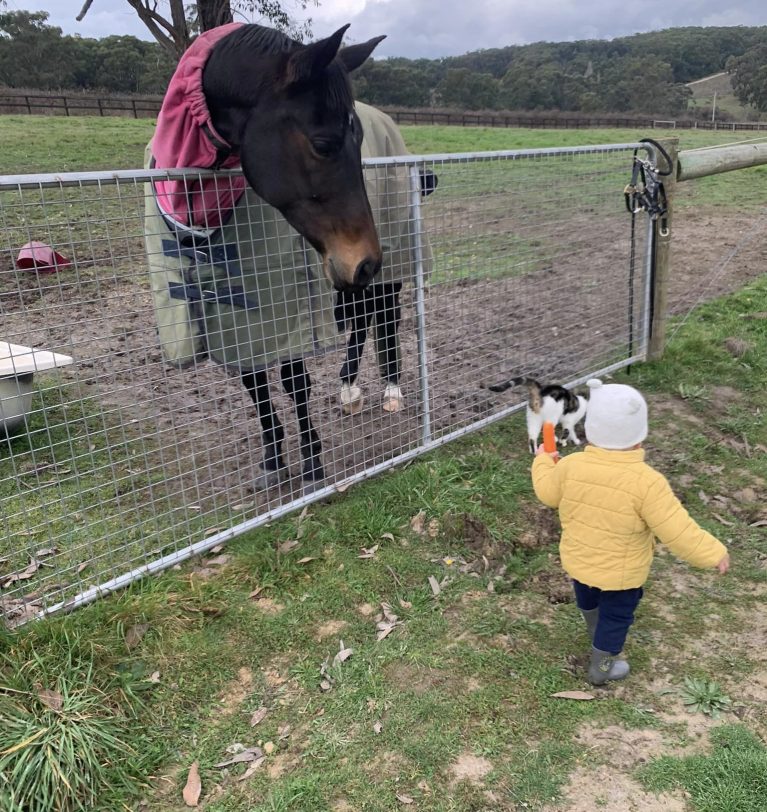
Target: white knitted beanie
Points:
(616, 417)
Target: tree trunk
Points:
(212, 13)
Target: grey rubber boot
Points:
(591, 616)
(605, 667)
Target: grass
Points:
(731, 778)
(171, 670)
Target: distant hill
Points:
(660, 72)
(727, 105)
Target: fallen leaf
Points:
(433, 530)
(388, 536)
(368, 552)
(434, 584)
(343, 654)
(377, 727)
(759, 523)
(283, 731)
(83, 566)
(24, 575)
(258, 716)
(154, 677)
(287, 546)
(135, 634)
(217, 549)
(252, 767)
(417, 522)
(193, 788)
(255, 593)
(405, 604)
(578, 695)
(723, 521)
(46, 551)
(703, 496)
(405, 799)
(245, 757)
(53, 699)
(306, 559)
(343, 486)
(219, 560)
(325, 685)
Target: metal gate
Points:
(118, 465)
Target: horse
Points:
(246, 95)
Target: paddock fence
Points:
(525, 263)
(86, 104)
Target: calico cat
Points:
(551, 403)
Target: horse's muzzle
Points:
(365, 272)
(362, 277)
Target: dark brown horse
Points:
(286, 111)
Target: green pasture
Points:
(452, 709)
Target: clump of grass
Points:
(63, 743)
(704, 696)
(732, 778)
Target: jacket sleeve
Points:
(547, 483)
(674, 527)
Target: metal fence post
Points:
(420, 303)
(662, 275)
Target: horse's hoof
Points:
(268, 479)
(351, 399)
(393, 399)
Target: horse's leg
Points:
(388, 314)
(298, 386)
(361, 305)
(272, 433)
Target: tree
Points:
(175, 31)
(748, 74)
(33, 53)
(464, 88)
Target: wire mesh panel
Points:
(154, 383)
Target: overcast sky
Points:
(434, 28)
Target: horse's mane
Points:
(260, 38)
(253, 38)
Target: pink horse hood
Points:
(186, 138)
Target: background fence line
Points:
(149, 107)
(127, 466)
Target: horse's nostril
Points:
(366, 270)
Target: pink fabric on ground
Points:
(40, 257)
(182, 139)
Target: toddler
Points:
(612, 506)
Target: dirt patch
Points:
(554, 584)
(330, 628)
(473, 534)
(269, 606)
(471, 768)
(414, 679)
(542, 527)
(236, 692)
(604, 788)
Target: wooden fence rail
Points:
(149, 106)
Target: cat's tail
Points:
(531, 384)
(502, 387)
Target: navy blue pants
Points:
(616, 613)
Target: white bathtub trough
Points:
(18, 365)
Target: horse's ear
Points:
(309, 60)
(353, 56)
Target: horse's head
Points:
(288, 109)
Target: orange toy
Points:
(549, 439)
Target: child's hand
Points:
(724, 564)
(541, 450)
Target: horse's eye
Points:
(324, 147)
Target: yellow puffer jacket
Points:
(611, 505)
